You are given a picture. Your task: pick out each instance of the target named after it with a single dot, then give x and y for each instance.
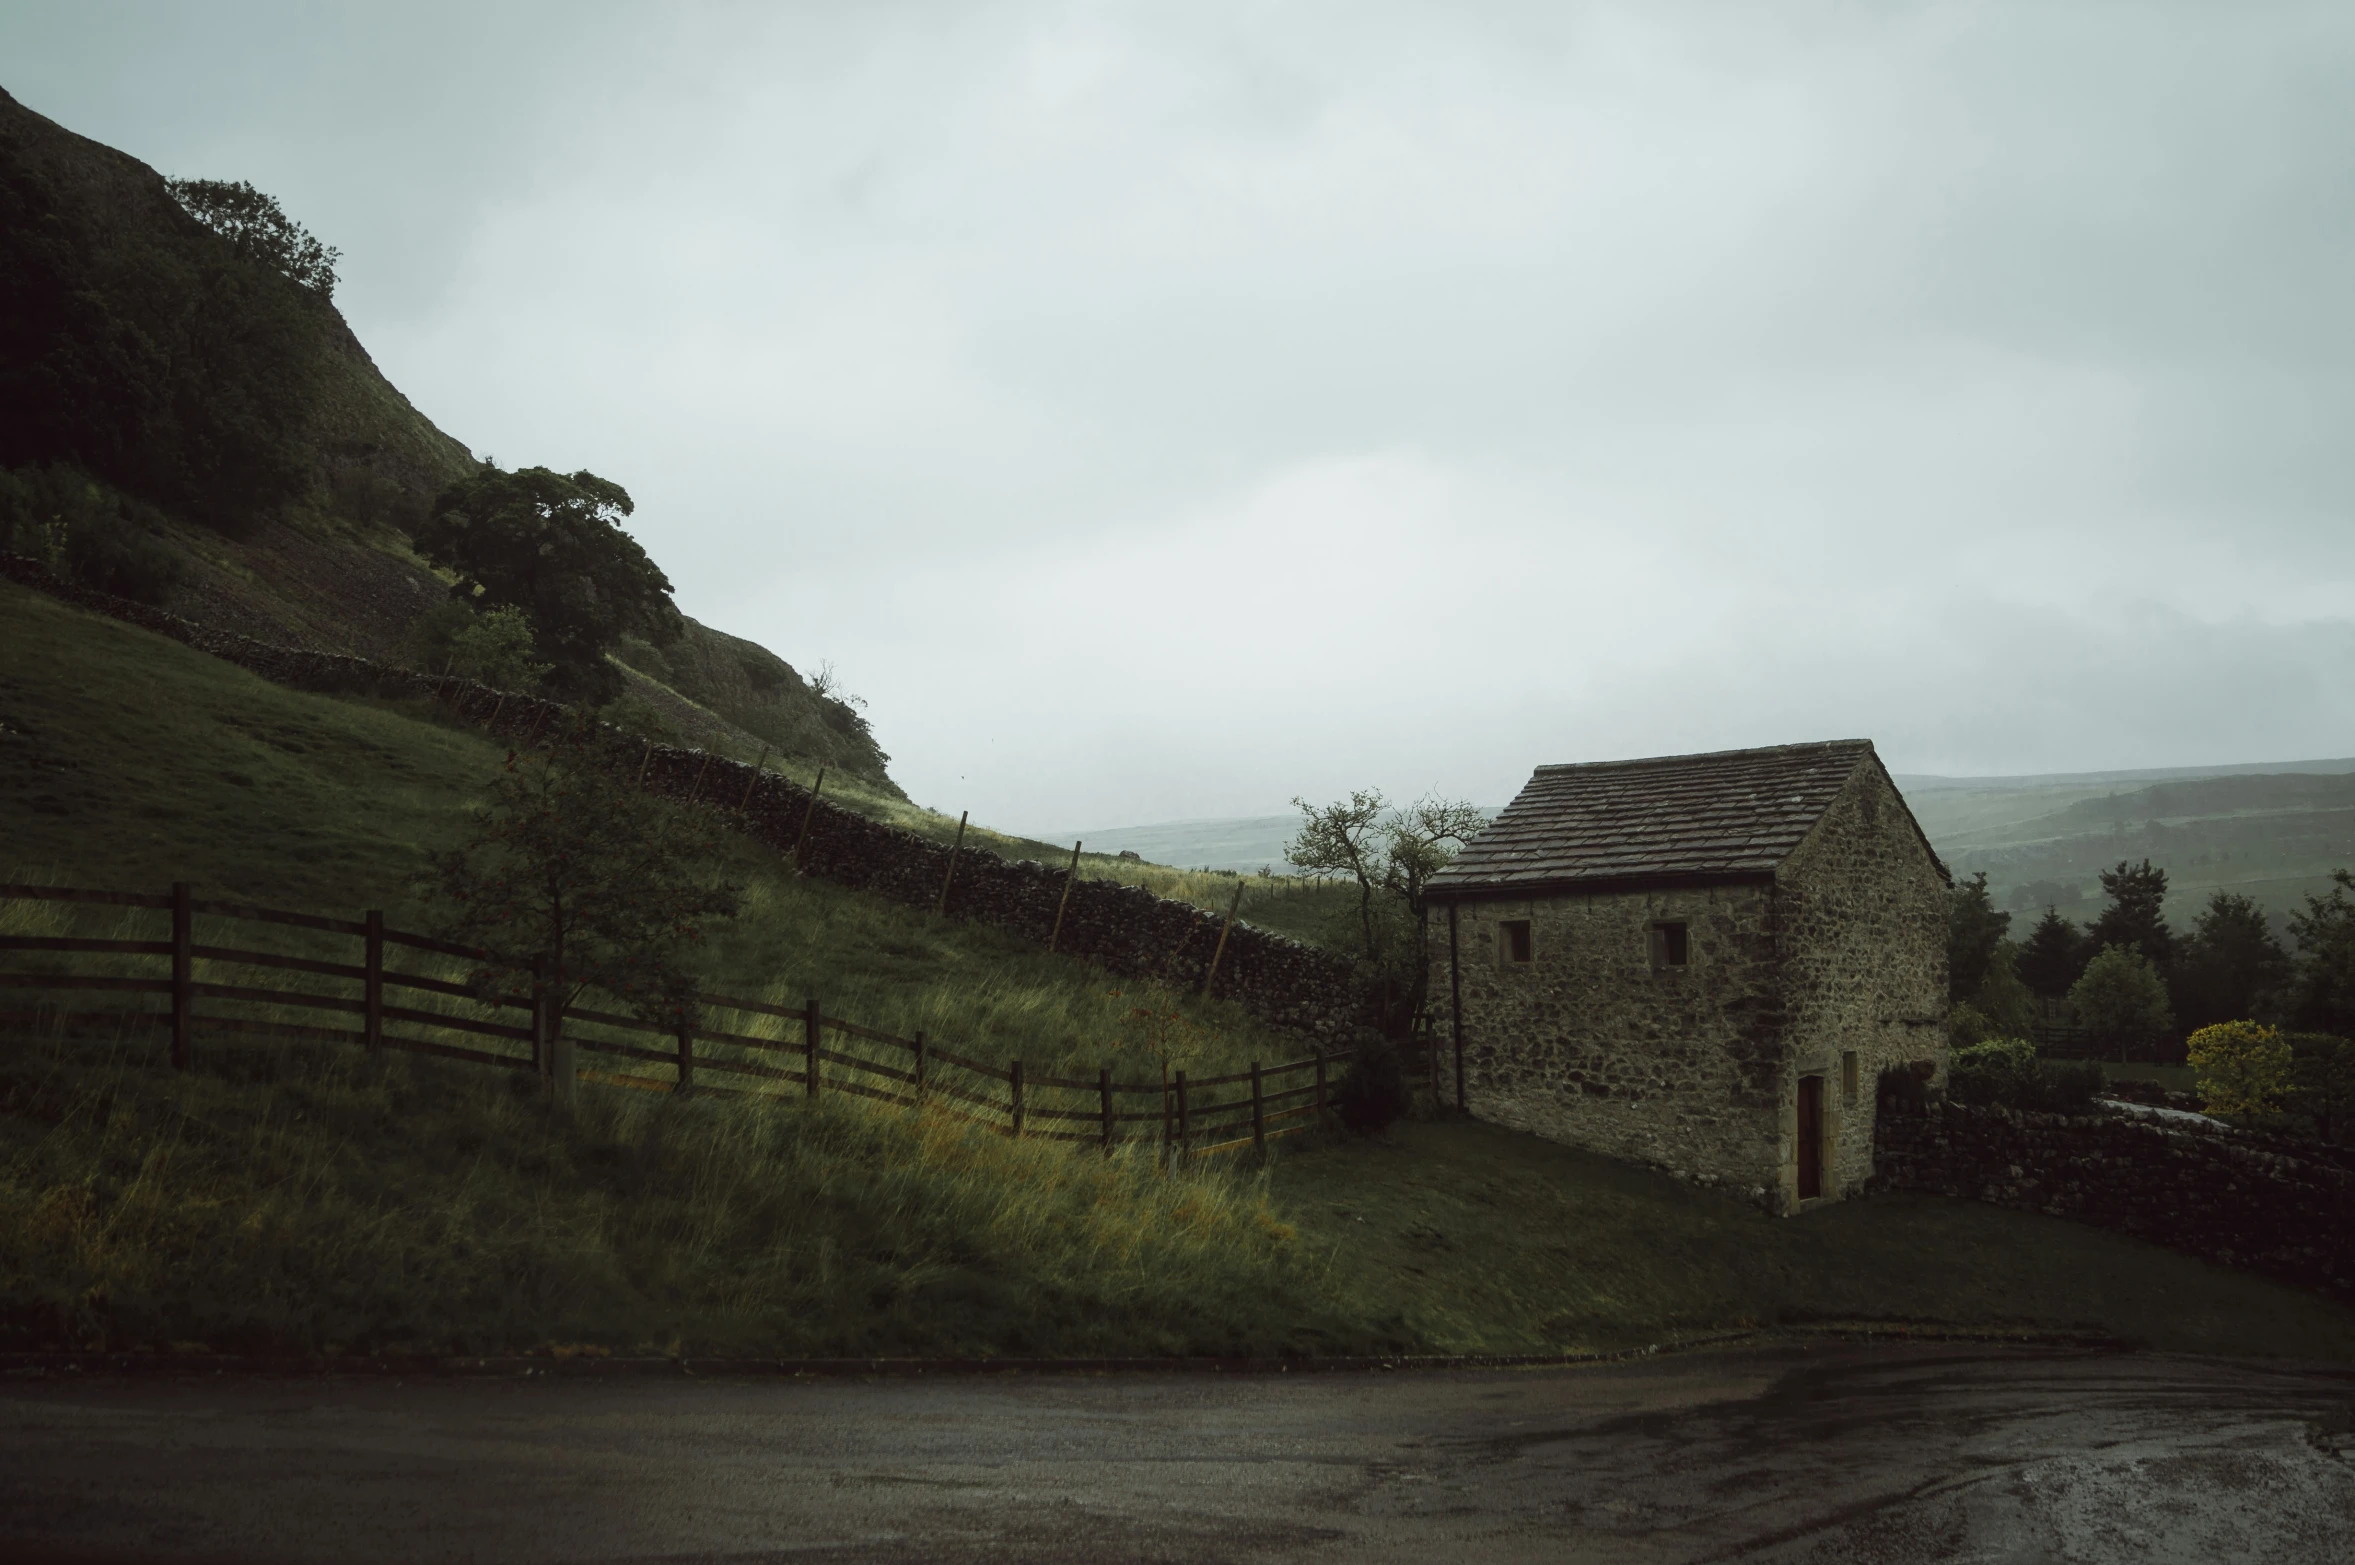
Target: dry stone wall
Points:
(2260, 1205)
(1124, 929)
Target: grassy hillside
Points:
(259, 449)
(283, 1197)
(129, 761)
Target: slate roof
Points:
(1728, 815)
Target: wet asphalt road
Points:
(1790, 1453)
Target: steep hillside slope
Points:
(264, 454)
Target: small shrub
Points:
(431, 634)
(2322, 1082)
(2244, 1068)
(495, 649)
(1966, 1028)
(86, 531)
(1373, 1094)
(2063, 1087)
(1990, 1073)
(2006, 1073)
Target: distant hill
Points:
(2271, 831)
(232, 417)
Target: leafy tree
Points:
(2230, 966)
(496, 650)
(564, 862)
(1973, 930)
(142, 350)
(2052, 957)
(2136, 916)
(258, 229)
(2120, 1000)
(1390, 856)
(2001, 998)
(553, 546)
(2322, 991)
(2244, 1068)
(1346, 838)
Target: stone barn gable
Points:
(1701, 961)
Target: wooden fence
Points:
(1247, 1108)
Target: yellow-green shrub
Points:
(2244, 1068)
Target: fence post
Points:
(372, 991)
(920, 1051)
(757, 767)
(699, 771)
(1258, 1112)
(565, 1077)
(811, 1022)
(1014, 1095)
(686, 1055)
(1183, 1128)
(1224, 930)
(540, 1052)
(801, 841)
(183, 975)
(1070, 876)
(1104, 1091)
(949, 876)
(1320, 1053)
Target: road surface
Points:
(1790, 1452)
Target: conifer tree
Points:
(2053, 956)
(2136, 916)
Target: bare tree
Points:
(1390, 855)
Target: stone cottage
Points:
(1699, 961)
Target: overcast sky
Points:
(1158, 412)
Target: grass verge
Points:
(288, 1199)
(1480, 1239)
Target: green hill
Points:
(2273, 835)
(224, 419)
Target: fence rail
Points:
(1274, 1100)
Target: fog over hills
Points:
(2269, 830)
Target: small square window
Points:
(1671, 945)
(1513, 938)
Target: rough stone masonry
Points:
(1700, 962)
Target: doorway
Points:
(1810, 1137)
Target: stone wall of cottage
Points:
(1863, 912)
(1697, 1070)
(1592, 1045)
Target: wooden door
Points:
(1810, 1137)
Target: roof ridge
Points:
(1704, 755)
